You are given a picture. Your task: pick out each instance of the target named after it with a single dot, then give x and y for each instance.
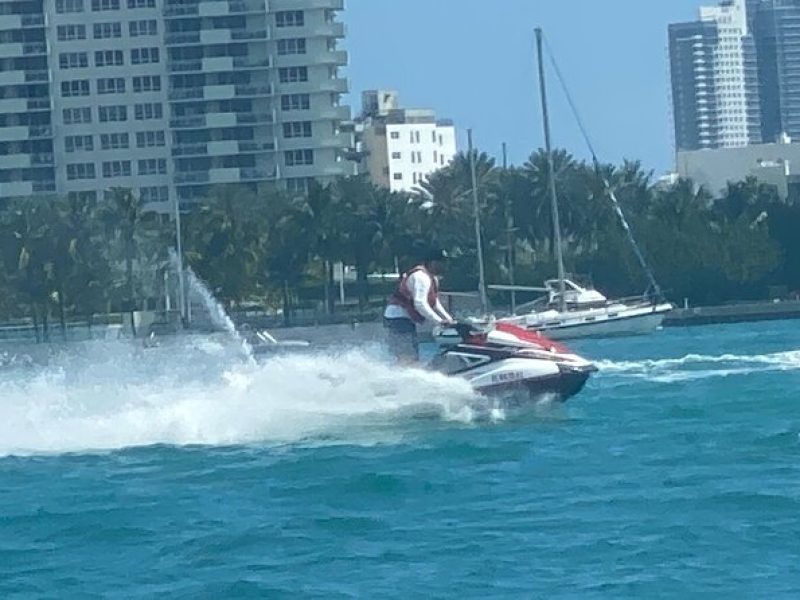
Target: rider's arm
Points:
(443, 312)
(420, 285)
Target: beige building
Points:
(402, 146)
(170, 97)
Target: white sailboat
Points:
(588, 313)
(568, 310)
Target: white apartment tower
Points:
(169, 97)
(729, 79)
(402, 147)
(715, 79)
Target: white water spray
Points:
(217, 313)
(111, 395)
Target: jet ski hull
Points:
(561, 386)
(508, 361)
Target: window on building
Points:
(80, 171)
(298, 185)
(397, 176)
(290, 18)
(295, 102)
(293, 74)
(433, 136)
(75, 87)
(114, 141)
(78, 143)
(397, 155)
(108, 58)
(99, 5)
(104, 31)
(152, 166)
(117, 168)
(416, 136)
(296, 158)
(142, 56)
(158, 193)
(297, 129)
(144, 112)
(150, 139)
(143, 28)
(141, 3)
(73, 116)
(111, 85)
(395, 135)
(68, 33)
(291, 46)
(82, 196)
(73, 60)
(147, 83)
(116, 113)
(69, 6)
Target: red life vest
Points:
(404, 298)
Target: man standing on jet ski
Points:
(415, 302)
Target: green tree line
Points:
(73, 258)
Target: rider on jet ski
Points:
(415, 302)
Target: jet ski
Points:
(503, 360)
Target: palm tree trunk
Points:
(45, 325)
(131, 289)
(363, 287)
(329, 279)
(61, 318)
(327, 287)
(35, 317)
(287, 317)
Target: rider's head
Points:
(434, 259)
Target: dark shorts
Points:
(401, 335)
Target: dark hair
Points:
(434, 253)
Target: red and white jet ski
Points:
(502, 360)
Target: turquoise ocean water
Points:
(181, 472)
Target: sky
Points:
(474, 61)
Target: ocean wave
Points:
(702, 366)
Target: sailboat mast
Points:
(551, 176)
(478, 236)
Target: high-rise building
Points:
(715, 79)
(26, 128)
(402, 146)
(776, 25)
(169, 97)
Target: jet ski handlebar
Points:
(459, 332)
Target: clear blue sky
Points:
(473, 61)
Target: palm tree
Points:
(127, 224)
(225, 240)
(365, 218)
(27, 225)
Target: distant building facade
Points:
(169, 97)
(401, 147)
(715, 79)
(776, 25)
(775, 164)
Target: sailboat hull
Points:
(602, 322)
